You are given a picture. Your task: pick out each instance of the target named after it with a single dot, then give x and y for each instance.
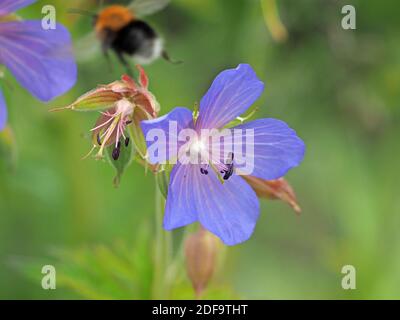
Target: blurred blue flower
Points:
(230, 209)
(41, 60)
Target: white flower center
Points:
(198, 147)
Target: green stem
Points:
(163, 250)
(177, 268)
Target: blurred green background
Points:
(338, 88)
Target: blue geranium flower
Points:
(41, 60)
(230, 209)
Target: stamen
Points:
(215, 169)
(98, 139)
(114, 128)
(90, 152)
(107, 134)
(122, 131)
(229, 172)
(118, 135)
(102, 125)
(116, 152)
(229, 167)
(108, 114)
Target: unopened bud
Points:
(201, 250)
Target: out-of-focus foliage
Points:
(338, 88)
(8, 147)
(118, 271)
(98, 271)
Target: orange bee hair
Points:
(113, 18)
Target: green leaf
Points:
(117, 271)
(126, 156)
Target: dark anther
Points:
(116, 153)
(229, 172)
(98, 139)
(128, 122)
(229, 163)
(127, 141)
(203, 171)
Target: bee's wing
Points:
(87, 47)
(147, 7)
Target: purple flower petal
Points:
(228, 210)
(9, 6)
(180, 118)
(277, 148)
(180, 208)
(3, 112)
(41, 60)
(230, 95)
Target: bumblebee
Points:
(119, 29)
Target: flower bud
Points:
(201, 250)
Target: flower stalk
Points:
(162, 252)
